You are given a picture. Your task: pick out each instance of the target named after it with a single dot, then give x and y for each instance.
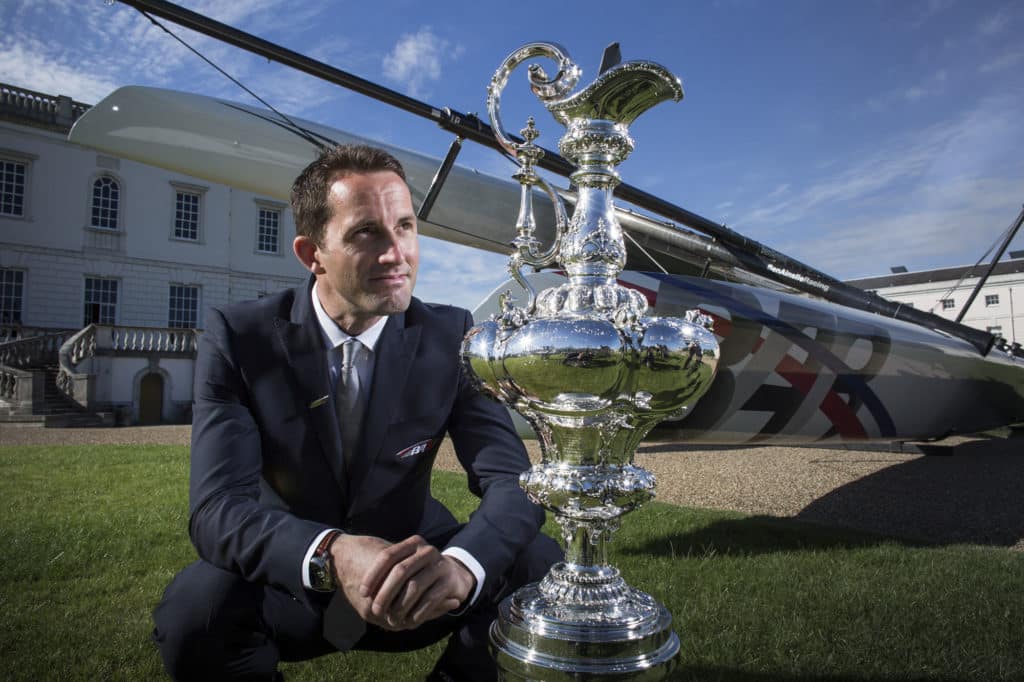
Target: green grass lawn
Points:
(89, 536)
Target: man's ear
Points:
(308, 254)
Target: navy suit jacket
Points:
(267, 474)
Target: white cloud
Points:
(914, 93)
(116, 45)
(1003, 61)
(963, 147)
(925, 229)
(457, 275)
(244, 12)
(930, 9)
(929, 86)
(24, 64)
(932, 194)
(416, 60)
(994, 23)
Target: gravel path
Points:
(970, 492)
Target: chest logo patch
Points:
(416, 449)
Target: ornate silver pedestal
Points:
(593, 374)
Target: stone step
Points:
(56, 409)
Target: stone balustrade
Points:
(82, 346)
(96, 340)
(32, 351)
(151, 340)
(21, 389)
(14, 332)
(60, 111)
(23, 357)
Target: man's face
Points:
(370, 250)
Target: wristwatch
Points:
(321, 565)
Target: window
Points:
(12, 293)
(268, 230)
(991, 299)
(183, 312)
(100, 301)
(947, 304)
(186, 215)
(106, 202)
(13, 175)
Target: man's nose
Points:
(394, 249)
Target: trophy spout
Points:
(620, 94)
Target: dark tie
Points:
(342, 626)
(349, 400)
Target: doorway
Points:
(151, 399)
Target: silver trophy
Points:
(592, 373)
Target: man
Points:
(309, 497)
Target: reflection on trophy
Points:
(592, 374)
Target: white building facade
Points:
(90, 239)
(998, 307)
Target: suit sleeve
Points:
(229, 526)
(493, 456)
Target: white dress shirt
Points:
(334, 337)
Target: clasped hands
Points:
(399, 586)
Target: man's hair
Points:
(310, 206)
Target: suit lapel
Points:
(394, 356)
(304, 346)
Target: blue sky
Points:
(852, 135)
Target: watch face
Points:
(320, 574)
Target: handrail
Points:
(76, 349)
(102, 339)
(150, 339)
(32, 350)
(9, 380)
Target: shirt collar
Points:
(333, 333)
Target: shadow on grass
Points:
(971, 497)
(754, 535)
(970, 493)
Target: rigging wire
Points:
(296, 128)
(644, 251)
(970, 271)
(307, 134)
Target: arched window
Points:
(106, 202)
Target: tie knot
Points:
(349, 353)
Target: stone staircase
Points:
(59, 410)
(29, 393)
(55, 410)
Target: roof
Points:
(940, 275)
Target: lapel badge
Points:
(318, 402)
(415, 449)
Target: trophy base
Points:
(537, 638)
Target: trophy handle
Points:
(527, 154)
(546, 89)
